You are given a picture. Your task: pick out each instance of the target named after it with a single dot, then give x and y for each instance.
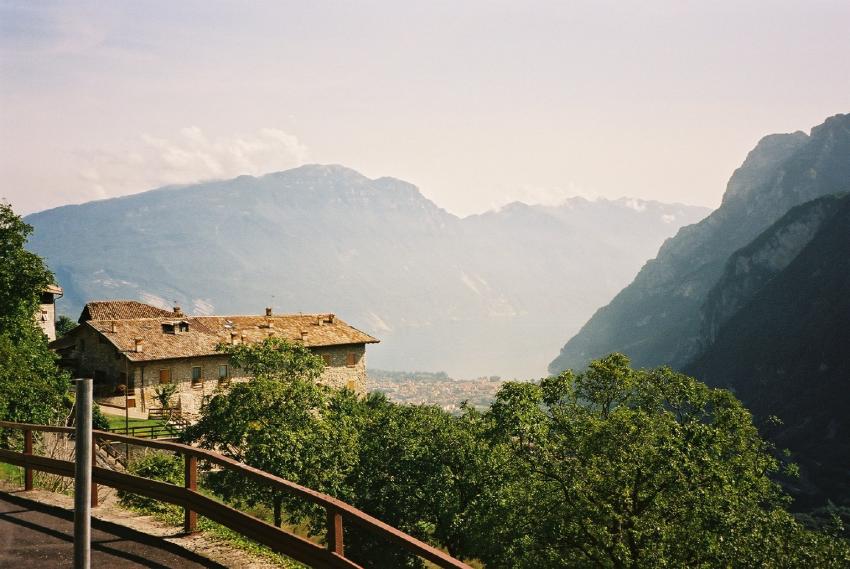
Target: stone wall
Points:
(46, 319)
(97, 358)
(190, 395)
(345, 366)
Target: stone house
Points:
(131, 348)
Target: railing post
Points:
(93, 464)
(28, 452)
(190, 518)
(335, 544)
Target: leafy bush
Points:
(160, 466)
(99, 421)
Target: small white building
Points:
(46, 315)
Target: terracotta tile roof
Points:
(120, 310)
(53, 289)
(206, 332)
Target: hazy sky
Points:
(478, 103)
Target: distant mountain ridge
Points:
(656, 319)
(483, 295)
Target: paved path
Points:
(34, 535)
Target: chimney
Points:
(112, 326)
(233, 336)
(268, 311)
(177, 311)
(331, 318)
(303, 335)
(140, 345)
(320, 320)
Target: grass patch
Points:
(10, 473)
(117, 422)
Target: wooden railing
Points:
(161, 431)
(194, 503)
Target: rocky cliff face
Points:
(656, 319)
(485, 295)
(749, 269)
(777, 336)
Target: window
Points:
(183, 327)
(351, 359)
(196, 375)
(165, 376)
(327, 358)
(222, 372)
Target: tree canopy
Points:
(613, 467)
(618, 467)
(275, 358)
(32, 389)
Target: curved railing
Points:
(194, 503)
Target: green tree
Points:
(280, 422)
(282, 427)
(23, 275)
(64, 325)
(32, 388)
(618, 467)
(275, 358)
(419, 469)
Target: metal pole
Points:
(82, 476)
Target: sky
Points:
(477, 103)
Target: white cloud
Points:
(191, 156)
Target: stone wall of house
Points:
(190, 395)
(345, 366)
(97, 358)
(46, 319)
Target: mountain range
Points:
(488, 294)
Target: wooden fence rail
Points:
(194, 503)
(163, 431)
